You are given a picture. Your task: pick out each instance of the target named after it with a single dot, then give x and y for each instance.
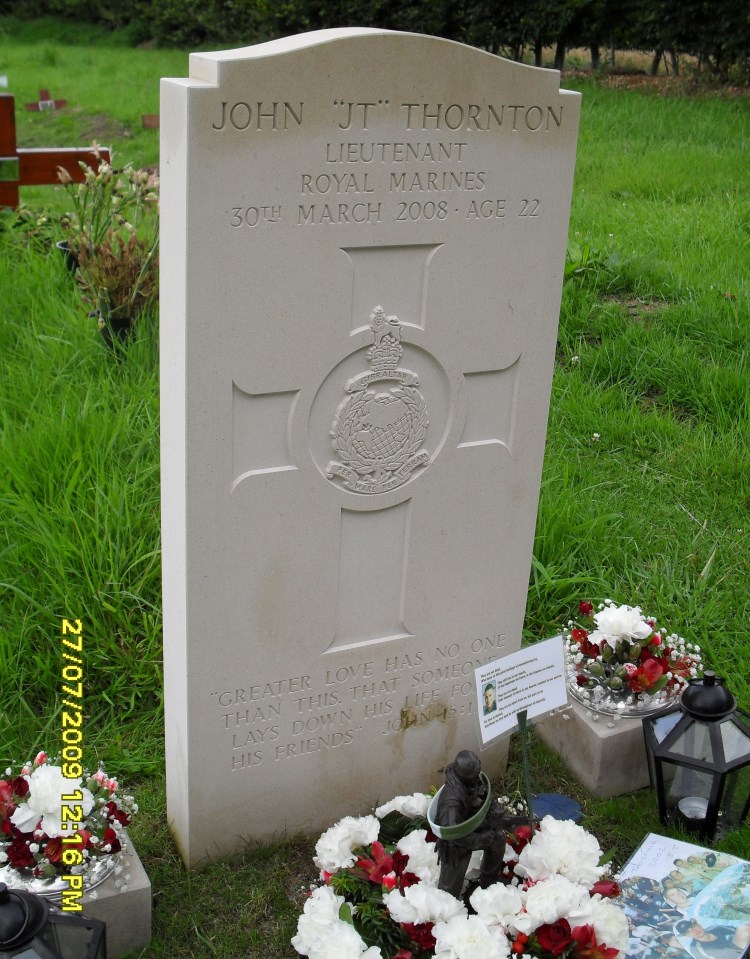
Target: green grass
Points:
(108, 88)
(645, 492)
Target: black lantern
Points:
(699, 759)
(31, 929)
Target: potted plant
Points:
(113, 231)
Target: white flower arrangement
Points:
(619, 662)
(32, 828)
(561, 848)
(380, 899)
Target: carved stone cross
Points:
(369, 440)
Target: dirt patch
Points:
(672, 86)
(103, 128)
(636, 308)
(665, 86)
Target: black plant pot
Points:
(115, 330)
(71, 258)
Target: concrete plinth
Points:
(608, 760)
(128, 913)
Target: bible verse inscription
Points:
(282, 719)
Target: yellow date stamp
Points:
(71, 733)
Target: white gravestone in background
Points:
(363, 237)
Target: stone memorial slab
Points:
(124, 903)
(363, 238)
(606, 756)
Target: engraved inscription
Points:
(395, 693)
(387, 151)
(242, 115)
(378, 435)
(316, 213)
(357, 111)
(473, 116)
(351, 198)
(253, 215)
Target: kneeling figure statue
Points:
(463, 818)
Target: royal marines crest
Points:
(378, 433)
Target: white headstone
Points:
(363, 238)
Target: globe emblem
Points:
(383, 429)
(378, 436)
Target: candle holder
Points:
(698, 755)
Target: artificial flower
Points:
(334, 849)
(587, 946)
(549, 900)
(618, 661)
(563, 848)
(610, 924)
(498, 903)
(46, 787)
(344, 942)
(420, 934)
(548, 904)
(616, 623)
(423, 903)
(320, 912)
(607, 888)
(409, 806)
(31, 826)
(423, 861)
(469, 937)
(555, 937)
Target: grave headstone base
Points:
(608, 760)
(127, 914)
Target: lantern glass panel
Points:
(70, 940)
(735, 741)
(663, 725)
(690, 782)
(694, 743)
(736, 795)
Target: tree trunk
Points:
(560, 54)
(675, 62)
(538, 52)
(595, 56)
(658, 54)
(612, 51)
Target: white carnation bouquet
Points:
(378, 896)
